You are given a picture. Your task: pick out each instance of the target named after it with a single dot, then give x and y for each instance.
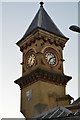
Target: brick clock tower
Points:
(43, 80)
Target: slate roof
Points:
(77, 113)
(74, 105)
(55, 113)
(58, 113)
(76, 101)
(43, 21)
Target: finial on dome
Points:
(41, 3)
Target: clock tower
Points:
(43, 81)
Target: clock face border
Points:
(53, 56)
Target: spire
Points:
(43, 21)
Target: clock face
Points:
(31, 60)
(50, 57)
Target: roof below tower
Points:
(43, 21)
(76, 101)
(58, 113)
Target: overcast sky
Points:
(16, 17)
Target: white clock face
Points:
(31, 60)
(50, 57)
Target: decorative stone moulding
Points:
(39, 35)
(42, 75)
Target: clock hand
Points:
(30, 60)
(51, 58)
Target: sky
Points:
(16, 18)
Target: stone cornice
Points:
(42, 75)
(41, 35)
